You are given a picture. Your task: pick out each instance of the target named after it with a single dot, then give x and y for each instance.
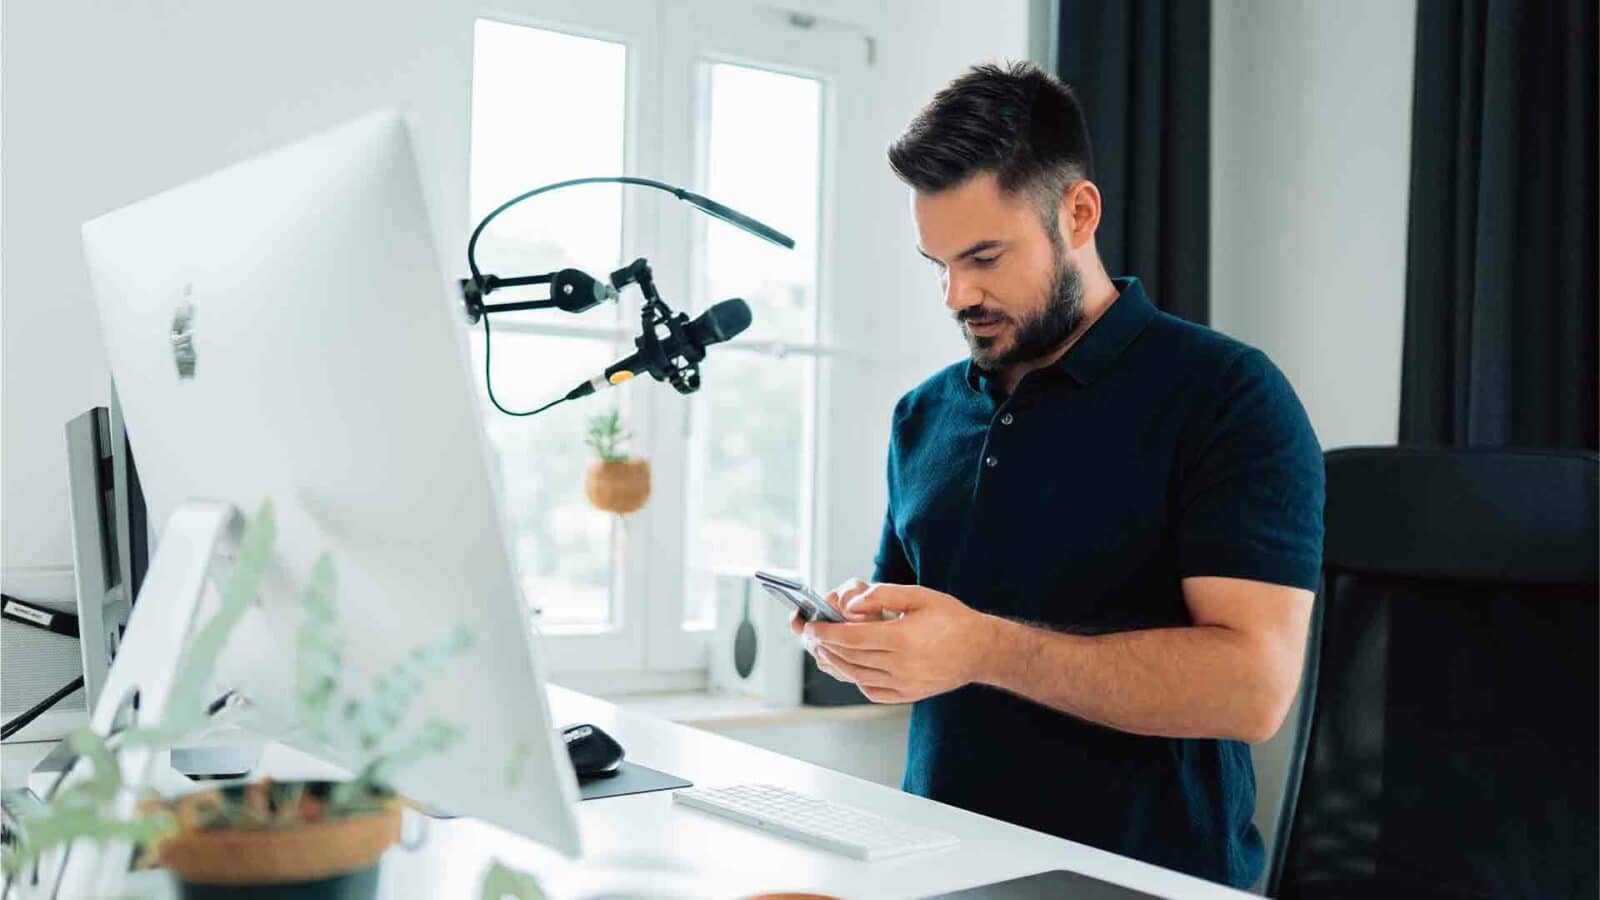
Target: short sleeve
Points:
(1251, 494)
(890, 565)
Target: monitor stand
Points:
(222, 759)
(143, 675)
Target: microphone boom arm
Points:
(574, 291)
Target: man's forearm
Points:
(1198, 681)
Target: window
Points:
(565, 549)
(736, 103)
(753, 435)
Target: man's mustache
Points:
(979, 312)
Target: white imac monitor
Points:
(282, 329)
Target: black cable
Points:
(21, 721)
(488, 380)
(477, 277)
(704, 204)
(472, 242)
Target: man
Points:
(1104, 530)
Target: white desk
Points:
(720, 858)
(646, 840)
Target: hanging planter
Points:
(614, 482)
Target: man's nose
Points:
(960, 294)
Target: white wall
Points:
(1311, 151)
(929, 44)
(920, 48)
(106, 103)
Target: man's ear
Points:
(1080, 213)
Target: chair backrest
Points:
(1449, 740)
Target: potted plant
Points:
(300, 838)
(614, 482)
(320, 839)
(264, 839)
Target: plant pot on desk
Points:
(326, 860)
(619, 486)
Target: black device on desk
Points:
(597, 759)
(594, 753)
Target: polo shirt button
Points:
(1007, 419)
(991, 462)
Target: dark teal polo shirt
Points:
(1154, 450)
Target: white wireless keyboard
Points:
(832, 826)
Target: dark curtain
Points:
(1142, 69)
(1500, 333)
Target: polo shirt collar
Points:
(1105, 340)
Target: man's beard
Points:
(1039, 334)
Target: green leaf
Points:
(59, 829)
(319, 651)
(518, 762)
(502, 881)
(435, 738)
(605, 435)
(105, 775)
(377, 717)
(186, 703)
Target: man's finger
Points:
(831, 670)
(872, 659)
(859, 635)
(881, 694)
(797, 623)
(881, 598)
(841, 596)
(862, 675)
(837, 660)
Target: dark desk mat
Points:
(1059, 883)
(632, 778)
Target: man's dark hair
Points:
(1015, 120)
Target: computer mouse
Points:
(594, 753)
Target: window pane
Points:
(751, 438)
(521, 84)
(762, 143)
(526, 105)
(751, 473)
(564, 546)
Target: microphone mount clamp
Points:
(682, 371)
(570, 290)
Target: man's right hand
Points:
(838, 598)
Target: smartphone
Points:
(811, 606)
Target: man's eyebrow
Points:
(975, 249)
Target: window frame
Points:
(647, 645)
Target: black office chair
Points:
(1448, 741)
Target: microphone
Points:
(675, 358)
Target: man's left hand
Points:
(935, 645)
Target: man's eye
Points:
(985, 260)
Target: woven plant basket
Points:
(618, 486)
(316, 852)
